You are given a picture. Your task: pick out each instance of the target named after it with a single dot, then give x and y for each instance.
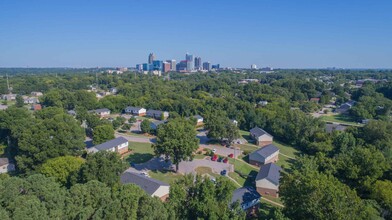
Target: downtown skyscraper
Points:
(189, 61)
(198, 64)
(151, 58)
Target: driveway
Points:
(140, 139)
(190, 166)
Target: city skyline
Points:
(279, 34)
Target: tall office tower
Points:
(207, 66)
(166, 67)
(172, 64)
(253, 66)
(190, 63)
(182, 66)
(151, 58)
(157, 65)
(198, 63)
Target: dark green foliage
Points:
(193, 198)
(145, 126)
(103, 166)
(103, 133)
(19, 101)
(177, 141)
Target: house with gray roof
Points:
(102, 112)
(157, 114)
(119, 145)
(151, 186)
(264, 155)
(267, 180)
(155, 124)
(261, 137)
(329, 128)
(199, 120)
(139, 111)
(345, 107)
(247, 197)
(5, 165)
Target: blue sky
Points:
(277, 33)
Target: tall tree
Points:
(62, 168)
(19, 101)
(49, 138)
(177, 141)
(145, 126)
(103, 133)
(103, 166)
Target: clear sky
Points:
(276, 33)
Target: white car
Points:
(144, 174)
(213, 150)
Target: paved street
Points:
(140, 139)
(190, 166)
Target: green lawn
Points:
(199, 156)
(340, 118)
(165, 176)
(244, 173)
(206, 170)
(286, 149)
(141, 152)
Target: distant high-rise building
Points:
(198, 63)
(139, 67)
(157, 65)
(190, 63)
(253, 66)
(182, 66)
(172, 64)
(207, 66)
(151, 58)
(216, 66)
(166, 67)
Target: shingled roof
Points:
(148, 184)
(4, 161)
(270, 172)
(110, 144)
(262, 153)
(257, 132)
(244, 195)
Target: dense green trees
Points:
(103, 133)
(62, 168)
(176, 140)
(48, 138)
(145, 126)
(103, 166)
(193, 198)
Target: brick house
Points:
(119, 145)
(261, 137)
(264, 155)
(267, 180)
(151, 186)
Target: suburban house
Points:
(199, 120)
(113, 90)
(267, 180)
(119, 145)
(264, 155)
(5, 165)
(235, 122)
(329, 128)
(36, 107)
(345, 107)
(151, 186)
(263, 103)
(72, 112)
(36, 94)
(248, 198)
(154, 124)
(102, 112)
(9, 97)
(157, 114)
(30, 100)
(261, 137)
(139, 111)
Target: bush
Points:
(246, 152)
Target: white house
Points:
(139, 111)
(102, 112)
(119, 145)
(6, 166)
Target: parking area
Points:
(190, 166)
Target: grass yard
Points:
(141, 152)
(244, 173)
(206, 170)
(165, 176)
(340, 118)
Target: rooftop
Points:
(110, 144)
(148, 184)
(3, 161)
(244, 195)
(257, 132)
(270, 172)
(264, 152)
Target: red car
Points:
(214, 157)
(231, 155)
(225, 160)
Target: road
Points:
(140, 139)
(190, 166)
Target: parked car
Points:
(223, 172)
(214, 157)
(220, 159)
(231, 155)
(225, 160)
(213, 150)
(144, 174)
